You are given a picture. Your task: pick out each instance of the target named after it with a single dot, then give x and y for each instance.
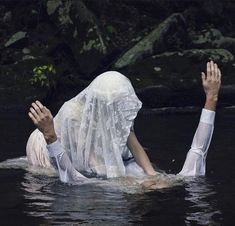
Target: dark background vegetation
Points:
(51, 49)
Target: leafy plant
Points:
(44, 76)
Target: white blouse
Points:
(194, 165)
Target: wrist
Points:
(151, 173)
(212, 97)
(211, 102)
(50, 138)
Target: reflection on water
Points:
(90, 204)
(203, 205)
(34, 198)
(60, 203)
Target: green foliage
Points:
(44, 76)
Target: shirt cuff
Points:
(54, 149)
(207, 116)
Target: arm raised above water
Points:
(195, 163)
(43, 119)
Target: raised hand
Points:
(43, 119)
(211, 82)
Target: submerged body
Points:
(94, 135)
(39, 154)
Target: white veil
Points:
(93, 127)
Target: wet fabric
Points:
(195, 163)
(93, 127)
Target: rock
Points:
(52, 5)
(94, 37)
(212, 38)
(175, 75)
(16, 39)
(162, 96)
(157, 69)
(81, 32)
(154, 42)
(225, 43)
(155, 96)
(221, 56)
(26, 51)
(204, 38)
(82, 39)
(159, 96)
(28, 57)
(60, 13)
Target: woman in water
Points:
(92, 135)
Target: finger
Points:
(208, 69)
(37, 109)
(34, 113)
(219, 74)
(40, 105)
(212, 69)
(32, 118)
(203, 76)
(216, 71)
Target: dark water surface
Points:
(28, 199)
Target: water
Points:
(36, 199)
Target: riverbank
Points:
(50, 50)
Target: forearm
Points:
(140, 155)
(143, 161)
(203, 134)
(66, 170)
(50, 137)
(195, 161)
(211, 102)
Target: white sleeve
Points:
(62, 161)
(195, 163)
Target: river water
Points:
(36, 199)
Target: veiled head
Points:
(110, 86)
(94, 126)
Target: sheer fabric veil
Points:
(93, 127)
